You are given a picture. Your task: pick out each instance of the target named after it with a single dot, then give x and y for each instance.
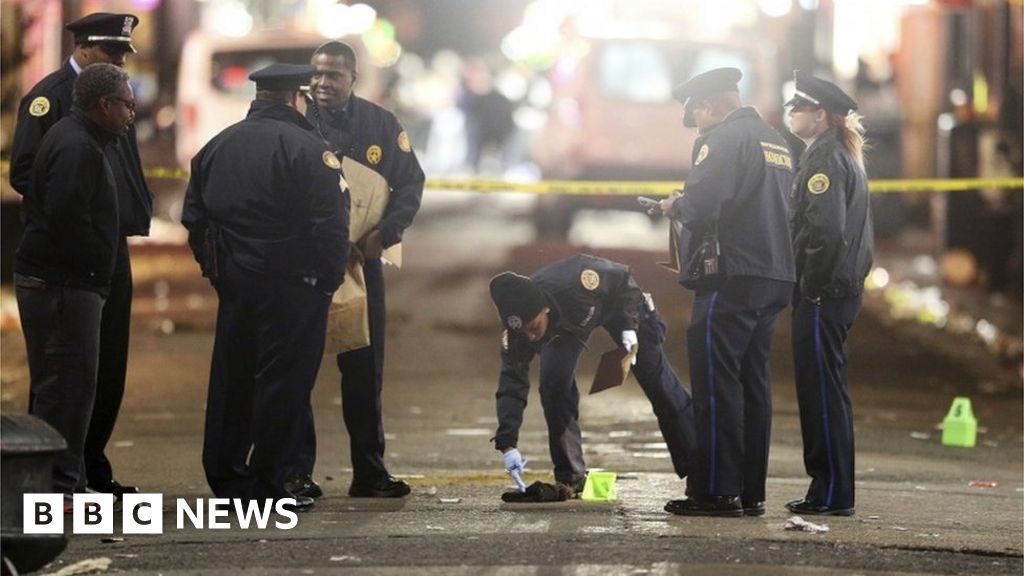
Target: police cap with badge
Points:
(820, 93)
(518, 299)
(703, 85)
(105, 28)
(282, 77)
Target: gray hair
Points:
(95, 82)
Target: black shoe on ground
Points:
(387, 487)
(302, 504)
(725, 506)
(753, 508)
(802, 506)
(114, 487)
(304, 485)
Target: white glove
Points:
(629, 341)
(515, 465)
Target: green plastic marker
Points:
(960, 427)
(600, 487)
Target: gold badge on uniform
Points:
(331, 160)
(818, 184)
(403, 142)
(590, 279)
(39, 107)
(701, 155)
(373, 154)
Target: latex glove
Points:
(515, 464)
(630, 341)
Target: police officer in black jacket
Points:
(67, 256)
(552, 314)
(372, 136)
(833, 242)
(105, 38)
(267, 215)
(737, 256)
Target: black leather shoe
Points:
(302, 504)
(727, 506)
(386, 487)
(802, 506)
(753, 508)
(116, 488)
(304, 485)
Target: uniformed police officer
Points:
(832, 239)
(737, 255)
(371, 135)
(99, 38)
(552, 314)
(67, 257)
(269, 226)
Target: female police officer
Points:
(832, 240)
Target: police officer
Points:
(372, 136)
(99, 38)
(832, 239)
(269, 227)
(737, 256)
(552, 314)
(66, 259)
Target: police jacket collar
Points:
(824, 140)
(737, 114)
(98, 132)
(277, 111)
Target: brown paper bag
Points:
(613, 369)
(348, 321)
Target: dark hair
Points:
(338, 48)
(95, 82)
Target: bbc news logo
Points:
(94, 513)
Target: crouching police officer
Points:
(553, 313)
(269, 227)
(832, 239)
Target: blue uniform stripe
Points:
(826, 429)
(712, 468)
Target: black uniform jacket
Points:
(135, 201)
(71, 221)
(583, 292)
(741, 178)
(268, 187)
(372, 136)
(831, 221)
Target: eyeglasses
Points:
(129, 104)
(114, 48)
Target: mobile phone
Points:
(647, 202)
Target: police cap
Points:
(104, 27)
(518, 299)
(821, 93)
(703, 85)
(282, 77)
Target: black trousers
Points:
(115, 335)
(62, 338)
(729, 344)
(266, 354)
(560, 399)
(826, 414)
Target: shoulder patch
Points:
(39, 107)
(818, 184)
(403, 142)
(331, 160)
(701, 155)
(590, 279)
(373, 154)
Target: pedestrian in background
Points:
(67, 257)
(268, 224)
(833, 243)
(736, 254)
(99, 38)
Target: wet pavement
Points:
(917, 512)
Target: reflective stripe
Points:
(826, 429)
(712, 471)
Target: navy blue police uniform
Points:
(736, 254)
(833, 243)
(371, 135)
(45, 104)
(269, 227)
(583, 293)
